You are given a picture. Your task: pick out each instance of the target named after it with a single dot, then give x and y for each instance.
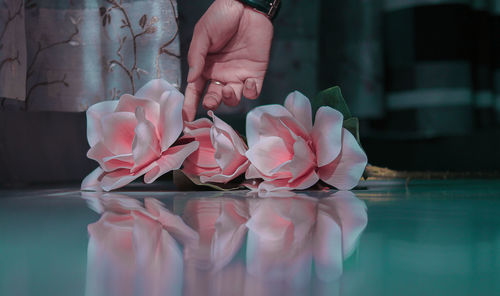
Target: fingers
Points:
(252, 88)
(192, 97)
(197, 53)
(213, 96)
(231, 94)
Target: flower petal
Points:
(172, 223)
(327, 134)
(345, 172)
(154, 89)
(327, 247)
(252, 173)
(300, 107)
(118, 132)
(146, 147)
(197, 124)
(224, 178)
(94, 116)
(268, 153)
(221, 127)
(204, 156)
(129, 103)
(305, 181)
(106, 159)
(254, 122)
(93, 180)
(171, 159)
(192, 168)
(122, 177)
(170, 122)
(302, 161)
(350, 213)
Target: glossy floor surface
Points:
(387, 238)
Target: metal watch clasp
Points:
(274, 5)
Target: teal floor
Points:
(387, 238)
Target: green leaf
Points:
(352, 125)
(187, 182)
(331, 97)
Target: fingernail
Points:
(250, 84)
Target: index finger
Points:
(194, 90)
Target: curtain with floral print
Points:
(65, 55)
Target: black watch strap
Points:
(268, 7)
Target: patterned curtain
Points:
(425, 67)
(65, 55)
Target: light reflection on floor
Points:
(427, 238)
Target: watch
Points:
(267, 7)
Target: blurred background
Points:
(423, 76)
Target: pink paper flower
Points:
(221, 155)
(288, 152)
(134, 136)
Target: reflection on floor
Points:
(429, 237)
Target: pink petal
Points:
(158, 258)
(130, 103)
(300, 107)
(268, 153)
(171, 159)
(170, 123)
(327, 247)
(192, 168)
(327, 135)
(94, 116)
(279, 242)
(197, 124)
(230, 232)
(220, 126)
(122, 177)
(224, 178)
(226, 156)
(204, 156)
(254, 123)
(252, 172)
(106, 159)
(154, 89)
(345, 172)
(172, 223)
(307, 180)
(302, 161)
(93, 180)
(118, 132)
(146, 147)
(129, 158)
(350, 214)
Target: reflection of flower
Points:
(286, 234)
(221, 155)
(132, 248)
(136, 248)
(220, 223)
(134, 136)
(287, 152)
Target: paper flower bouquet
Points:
(141, 135)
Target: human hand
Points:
(231, 44)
